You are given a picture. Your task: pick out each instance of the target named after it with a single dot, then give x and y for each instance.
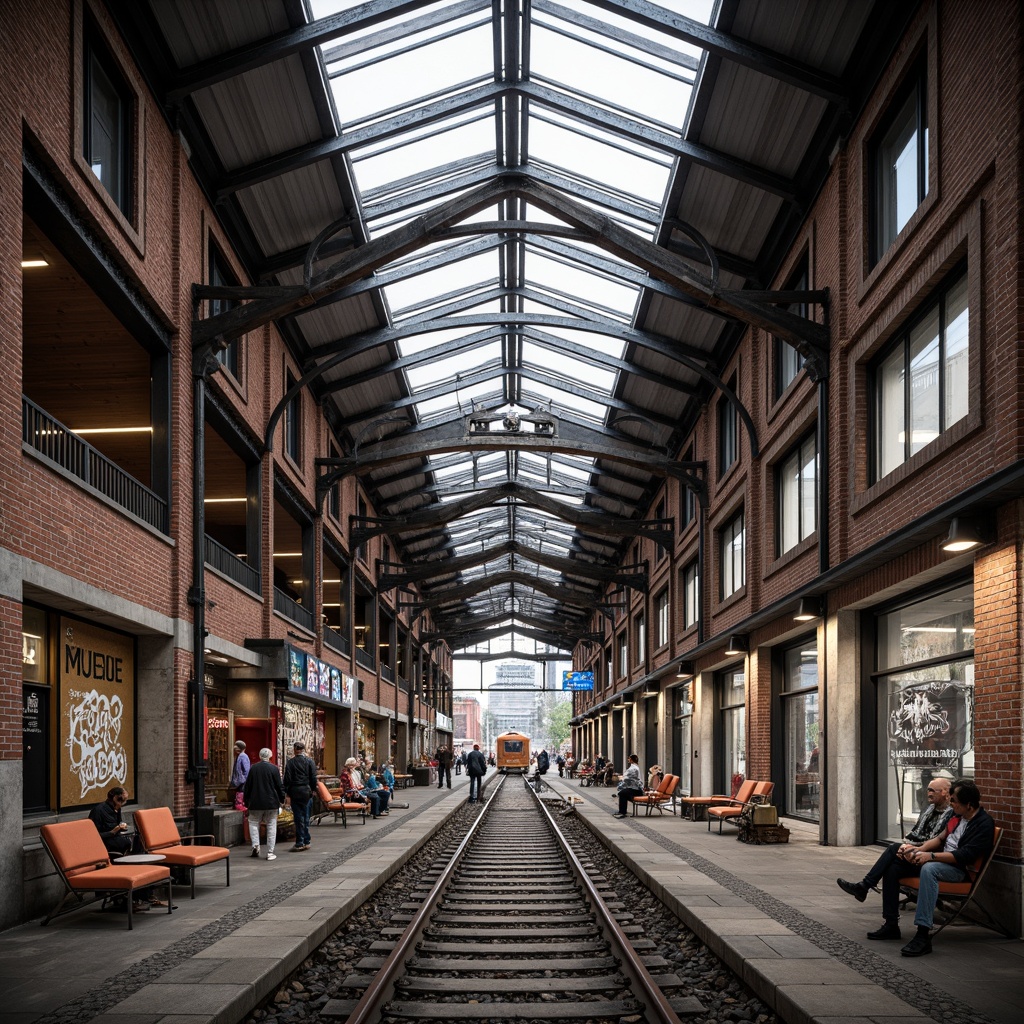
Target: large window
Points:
(683, 759)
(925, 702)
(796, 493)
(661, 611)
(732, 723)
(789, 362)
(728, 432)
(800, 740)
(640, 632)
(691, 595)
(899, 160)
(921, 381)
(107, 123)
(733, 556)
(221, 276)
(292, 418)
(623, 642)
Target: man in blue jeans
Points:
(945, 858)
(299, 785)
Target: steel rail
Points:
(657, 1009)
(382, 988)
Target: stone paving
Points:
(772, 913)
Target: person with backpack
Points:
(299, 786)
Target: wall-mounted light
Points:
(34, 263)
(963, 535)
(808, 609)
(684, 670)
(737, 644)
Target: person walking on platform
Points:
(443, 757)
(239, 772)
(263, 794)
(630, 785)
(299, 785)
(476, 769)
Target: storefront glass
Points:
(800, 730)
(733, 715)
(925, 702)
(684, 738)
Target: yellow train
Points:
(512, 752)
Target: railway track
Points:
(477, 938)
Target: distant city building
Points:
(513, 698)
(468, 722)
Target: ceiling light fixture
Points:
(808, 609)
(737, 644)
(685, 670)
(963, 535)
(34, 263)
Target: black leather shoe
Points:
(919, 945)
(889, 930)
(858, 890)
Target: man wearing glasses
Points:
(109, 823)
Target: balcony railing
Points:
(62, 447)
(292, 609)
(364, 659)
(386, 673)
(335, 640)
(231, 565)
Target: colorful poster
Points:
(324, 676)
(296, 669)
(97, 712)
(312, 675)
(335, 685)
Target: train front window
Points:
(513, 746)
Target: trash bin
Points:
(421, 776)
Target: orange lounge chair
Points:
(657, 798)
(959, 893)
(337, 806)
(84, 866)
(703, 803)
(760, 794)
(160, 835)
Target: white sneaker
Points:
(271, 856)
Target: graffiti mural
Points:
(96, 755)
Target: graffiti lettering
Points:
(97, 756)
(92, 665)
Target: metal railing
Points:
(292, 609)
(335, 640)
(62, 447)
(218, 557)
(364, 659)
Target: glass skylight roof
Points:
(435, 102)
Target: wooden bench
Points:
(84, 866)
(160, 835)
(403, 781)
(958, 894)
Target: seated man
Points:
(116, 838)
(944, 858)
(930, 823)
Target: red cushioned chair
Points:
(657, 798)
(335, 805)
(958, 894)
(84, 866)
(731, 812)
(159, 834)
(695, 803)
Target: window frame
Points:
(784, 354)
(903, 339)
(795, 454)
(291, 425)
(691, 594)
(727, 536)
(883, 229)
(220, 274)
(728, 432)
(640, 633)
(663, 618)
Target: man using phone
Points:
(110, 824)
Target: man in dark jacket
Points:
(299, 786)
(931, 822)
(945, 858)
(263, 794)
(443, 757)
(476, 769)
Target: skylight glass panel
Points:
(440, 370)
(567, 367)
(432, 285)
(582, 285)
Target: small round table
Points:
(140, 858)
